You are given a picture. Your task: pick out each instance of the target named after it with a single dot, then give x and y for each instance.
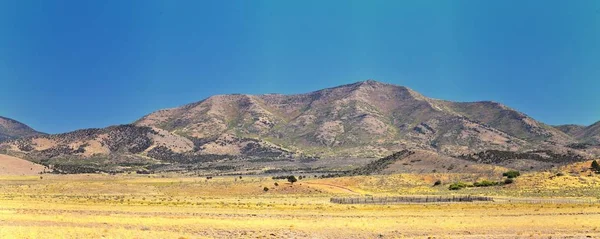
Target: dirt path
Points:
(344, 189)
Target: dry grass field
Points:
(171, 206)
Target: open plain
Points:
(536, 205)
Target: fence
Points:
(547, 200)
(408, 199)
(458, 198)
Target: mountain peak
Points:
(10, 128)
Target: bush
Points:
(509, 181)
(276, 184)
(292, 179)
(457, 186)
(265, 189)
(437, 183)
(485, 183)
(595, 166)
(560, 174)
(512, 174)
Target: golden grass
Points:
(135, 206)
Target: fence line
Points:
(547, 200)
(456, 198)
(408, 199)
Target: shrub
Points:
(276, 184)
(509, 181)
(457, 186)
(512, 174)
(485, 183)
(595, 166)
(437, 183)
(292, 179)
(265, 189)
(560, 174)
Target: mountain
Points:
(11, 129)
(363, 119)
(571, 129)
(586, 134)
(591, 133)
(315, 130)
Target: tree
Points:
(595, 166)
(292, 179)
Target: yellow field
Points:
(136, 206)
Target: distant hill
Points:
(586, 134)
(591, 133)
(367, 119)
(12, 129)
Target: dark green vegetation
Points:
(457, 186)
(379, 165)
(486, 183)
(511, 174)
(498, 156)
(595, 166)
(292, 179)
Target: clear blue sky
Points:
(66, 65)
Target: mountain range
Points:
(367, 119)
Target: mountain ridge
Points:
(362, 119)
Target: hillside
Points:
(588, 135)
(362, 119)
(311, 131)
(11, 129)
(15, 166)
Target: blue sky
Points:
(66, 65)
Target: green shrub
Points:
(512, 174)
(560, 174)
(437, 183)
(457, 186)
(509, 181)
(485, 183)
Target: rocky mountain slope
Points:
(591, 134)
(362, 120)
(11, 129)
(585, 134)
